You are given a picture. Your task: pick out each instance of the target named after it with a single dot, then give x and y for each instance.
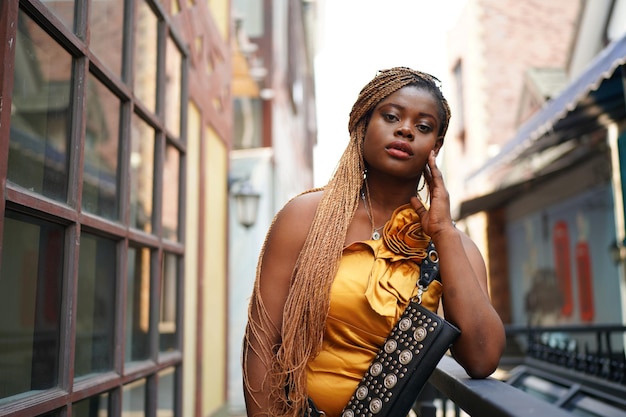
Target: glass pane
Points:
(40, 114)
(138, 304)
(166, 393)
(30, 295)
(171, 200)
(141, 174)
(248, 123)
(252, 13)
(100, 178)
(134, 399)
(95, 304)
(173, 80)
(145, 36)
(63, 9)
(106, 20)
(97, 406)
(169, 292)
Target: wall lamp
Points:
(246, 202)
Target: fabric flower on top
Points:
(404, 237)
(397, 256)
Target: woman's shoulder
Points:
(294, 220)
(301, 209)
(307, 198)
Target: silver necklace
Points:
(375, 230)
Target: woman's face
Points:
(401, 132)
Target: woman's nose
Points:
(404, 131)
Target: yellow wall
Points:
(191, 260)
(220, 11)
(214, 289)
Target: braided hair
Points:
(308, 302)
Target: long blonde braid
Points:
(308, 301)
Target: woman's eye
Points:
(390, 117)
(424, 128)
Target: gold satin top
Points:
(375, 282)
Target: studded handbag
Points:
(408, 357)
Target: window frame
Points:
(69, 214)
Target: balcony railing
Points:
(479, 397)
(590, 350)
(548, 371)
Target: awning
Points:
(594, 99)
(597, 91)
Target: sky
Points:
(359, 37)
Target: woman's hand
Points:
(437, 218)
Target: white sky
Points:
(359, 37)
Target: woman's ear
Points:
(438, 145)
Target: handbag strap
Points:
(429, 270)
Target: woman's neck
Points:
(386, 197)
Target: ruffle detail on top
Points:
(397, 256)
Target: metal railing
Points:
(480, 397)
(549, 370)
(590, 350)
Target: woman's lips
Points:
(399, 149)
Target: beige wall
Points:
(210, 288)
(220, 10)
(213, 360)
(191, 261)
(204, 27)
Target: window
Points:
(90, 263)
(95, 305)
(101, 188)
(39, 145)
(248, 123)
(31, 287)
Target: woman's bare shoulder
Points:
(287, 236)
(297, 215)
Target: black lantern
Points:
(247, 204)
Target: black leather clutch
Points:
(401, 368)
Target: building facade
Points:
(490, 49)
(539, 171)
(548, 203)
(115, 129)
(275, 132)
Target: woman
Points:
(331, 282)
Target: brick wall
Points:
(518, 35)
(497, 41)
